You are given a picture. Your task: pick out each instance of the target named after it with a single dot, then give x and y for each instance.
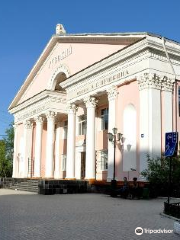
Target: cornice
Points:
(45, 96)
(125, 54)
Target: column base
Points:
(70, 178)
(57, 175)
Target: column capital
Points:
(112, 93)
(28, 124)
(167, 84)
(39, 120)
(71, 108)
(156, 81)
(90, 102)
(51, 115)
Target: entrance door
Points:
(83, 163)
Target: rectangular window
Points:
(104, 160)
(65, 127)
(82, 125)
(179, 99)
(104, 119)
(63, 163)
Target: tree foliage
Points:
(157, 173)
(6, 153)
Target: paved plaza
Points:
(28, 216)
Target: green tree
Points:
(157, 173)
(6, 153)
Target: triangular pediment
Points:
(69, 54)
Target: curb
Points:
(168, 216)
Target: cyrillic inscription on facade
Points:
(58, 58)
(98, 83)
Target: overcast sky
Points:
(27, 25)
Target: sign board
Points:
(171, 140)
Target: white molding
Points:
(39, 104)
(62, 68)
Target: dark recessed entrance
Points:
(83, 164)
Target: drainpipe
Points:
(175, 83)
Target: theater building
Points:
(84, 85)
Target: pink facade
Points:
(79, 90)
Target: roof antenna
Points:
(60, 29)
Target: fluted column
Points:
(112, 94)
(49, 168)
(15, 163)
(70, 166)
(38, 146)
(57, 152)
(91, 103)
(28, 127)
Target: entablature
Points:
(39, 104)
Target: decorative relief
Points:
(28, 124)
(153, 80)
(90, 102)
(60, 29)
(71, 108)
(61, 69)
(112, 93)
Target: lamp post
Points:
(114, 137)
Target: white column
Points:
(38, 146)
(70, 165)
(91, 103)
(28, 127)
(49, 168)
(168, 112)
(15, 162)
(57, 152)
(112, 94)
(150, 118)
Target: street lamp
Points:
(114, 137)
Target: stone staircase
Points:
(30, 185)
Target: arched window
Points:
(59, 78)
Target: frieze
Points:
(98, 83)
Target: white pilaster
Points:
(70, 166)
(57, 152)
(38, 147)
(168, 85)
(15, 162)
(112, 94)
(91, 103)
(150, 117)
(49, 168)
(27, 159)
